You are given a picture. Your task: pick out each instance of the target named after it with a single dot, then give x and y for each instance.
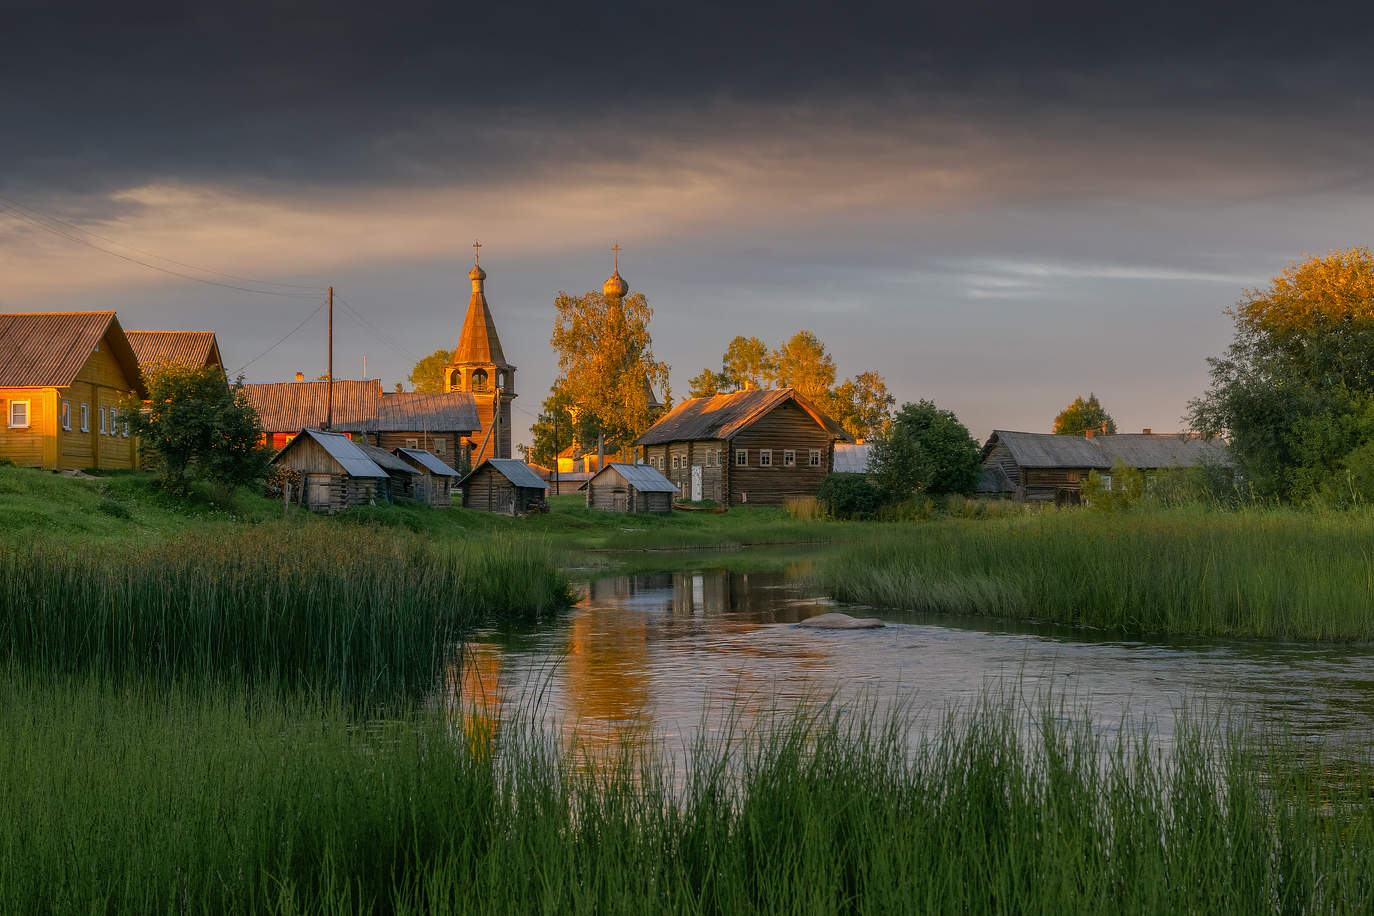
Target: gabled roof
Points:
(345, 451)
(179, 348)
(723, 415)
(640, 476)
(285, 407)
(49, 349)
(428, 460)
(1136, 450)
(513, 469)
(385, 460)
(412, 411)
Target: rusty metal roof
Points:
(49, 349)
(1135, 450)
(179, 348)
(513, 469)
(722, 416)
(286, 407)
(427, 460)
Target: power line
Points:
(281, 339)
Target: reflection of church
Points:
(479, 366)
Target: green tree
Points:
(861, 405)
(706, 384)
(557, 427)
(925, 450)
(200, 428)
(428, 374)
(1293, 393)
(747, 363)
(803, 363)
(1081, 416)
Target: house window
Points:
(412, 443)
(66, 415)
(710, 459)
(677, 462)
(765, 457)
(741, 457)
(19, 414)
(438, 446)
(126, 427)
(789, 458)
(85, 418)
(815, 458)
(1107, 483)
(102, 421)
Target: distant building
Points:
(334, 471)
(62, 377)
(435, 481)
(505, 486)
(1045, 466)
(751, 447)
(480, 370)
(632, 488)
(192, 349)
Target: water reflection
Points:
(670, 654)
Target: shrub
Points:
(848, 496)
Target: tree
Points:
(746, 364)
(1081, 416)
(705, 384)
(803, 363)
(861, 405)
(1294, 391)
(925, 450)
(558, 427)
(200, 428)
(428, 374)
(605, 356)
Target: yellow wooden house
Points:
(62, 376)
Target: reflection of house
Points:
(434, 481)
(747, 447)
(503, 485)
(62, 376)
(1046, 466)
(335, 472)
(630, 488)
(191, 349)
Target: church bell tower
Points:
(480, 368)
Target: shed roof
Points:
(723, 415)
(342, 449)
(640, 476)
(49, 349)
(429, 461)
(385, 460)
(853, 458)
(179, 348)
(513, 469)
(285, 407)
(1137, 450)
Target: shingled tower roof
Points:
(479, 344)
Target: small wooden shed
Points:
(504, 485)
(401, 476)
(335, 472)
(434, 480)
(633, 488)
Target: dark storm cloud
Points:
(321, 94)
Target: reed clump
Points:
(1271, 574)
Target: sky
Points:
(996, 206)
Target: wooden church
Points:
(480, 368)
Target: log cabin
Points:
(435, 480)
(1043, 467)
(505, 486)
(632, 488)
(337, 474)
(401, 476)
(752, 447)
(62, 378)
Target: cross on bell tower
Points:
(480, 368)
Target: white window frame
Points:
(103, 430)
(789, 457)
(1106, 483)
(438, 446)
(765, 457)
(741, 457)
(28, 413)
(64, 410)
(412, 443)
(85, 417)
(126, 427)
(814, 459)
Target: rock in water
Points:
(841, 622)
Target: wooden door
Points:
(317, 492)
(696, 483)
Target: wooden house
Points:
(630, 488)
(401, 476)
(286, 408)
(1040, 467)
(434, 480)
(503, 485)
(751, 447)
(336, 473)
(62, 377)
(192, 349)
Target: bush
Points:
(848, 496)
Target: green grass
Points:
(120, 801)
(1271, 574)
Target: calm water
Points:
(668, 654)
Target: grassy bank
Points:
(120, 802)
(1270, 574)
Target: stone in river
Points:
(841, 622)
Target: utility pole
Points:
(556, 453)
(329, 391)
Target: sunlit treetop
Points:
(1318, 292)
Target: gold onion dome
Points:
(615, 287)
(477, 273)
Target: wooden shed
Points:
(630, 488)
(434, 480)
(335, 472)
(503, 485)
(401, 476)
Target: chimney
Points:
(398, 388)
(1090, 433)
(300, 376)
(1147, 431)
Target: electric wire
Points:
(281, 339)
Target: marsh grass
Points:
(137, 799)
(1273, 574)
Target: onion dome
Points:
(477, 273)
(615, 287)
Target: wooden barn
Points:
(434, 480)
(335, 471)
(751, 447)
(1043, 467)
(631, 488)
(505, 486)
(62, 378)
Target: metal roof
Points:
(413, 411)
(285, 407)
(179, 348)
(1137, 450)
(428, 460)
(384, 459)
(723, 415)
(342, 449)
(853, 458)
(49, 349)
(640, 476)
(513, 469)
